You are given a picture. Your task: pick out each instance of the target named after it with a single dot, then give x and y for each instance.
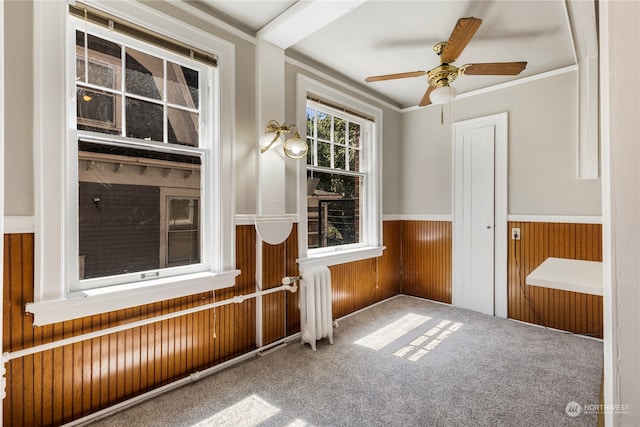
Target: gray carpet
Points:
(404, 362)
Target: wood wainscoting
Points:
(565, 310)
(67, 383)
(60, 385)
(426, 270)
(426, 259)
(362, 283)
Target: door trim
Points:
(500, 207)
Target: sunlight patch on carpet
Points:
(421, 346)
(391, 332)
(298, 423)
(249, 412)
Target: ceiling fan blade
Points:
(395, 76)
(460, 36)
(426, 100)
(494, 68)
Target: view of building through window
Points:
(139, 204)
(334, 179)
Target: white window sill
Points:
(338, 256)
(92, 302)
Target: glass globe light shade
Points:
(295, 147)
(443, 94)
(267, 139)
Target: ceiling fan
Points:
(439, 78)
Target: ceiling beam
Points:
(302, 19)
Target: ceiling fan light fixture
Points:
(443, 94)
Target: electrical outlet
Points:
(515, 234)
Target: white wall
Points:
(620, 69)
(426, 173)
(18, 97)
(542, 150)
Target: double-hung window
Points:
(143, 152)
(340, 185)
(146, 216)
(335, 176)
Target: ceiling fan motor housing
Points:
(442, 75)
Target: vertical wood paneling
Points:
(570, 311)
(57, 386)
(389, 281)
(353, 286)
(291, 266)
(273, 307)
(426, 259)
(60, 385)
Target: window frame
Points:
(54, 163)
(370, 245)
(365, 141)
(206, 82)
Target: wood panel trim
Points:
(558, 309)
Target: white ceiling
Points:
(357, 39)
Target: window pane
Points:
(340, 128)
(120, 209)
(144, 120)
(183, 127)
(183, 238)
(310, 121)
(183, 248)
(144, 74)
(354, 134)
(310, 151)
(339, 159)
(354, 159)
(324, 154)
(333, 204)
(324, 126)
(118, 228)
(182, 86)
(105, 61)
(98, 111)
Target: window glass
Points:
(182, 126)
(98, 111)
(144, 120)
(183, 238)
(121, 227)
(144, 75)
(102, 63)
(334, 180)
(139, 204)
(182, 86)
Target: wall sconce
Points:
(294, 147)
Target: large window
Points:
(134, 147)
(340, 186)
(334, 177)
(140, 145)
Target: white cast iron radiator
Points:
(316, 321)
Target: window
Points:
(130, 202)
(139, 114)
(340, 185)
(334, 177)
(180, 227)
